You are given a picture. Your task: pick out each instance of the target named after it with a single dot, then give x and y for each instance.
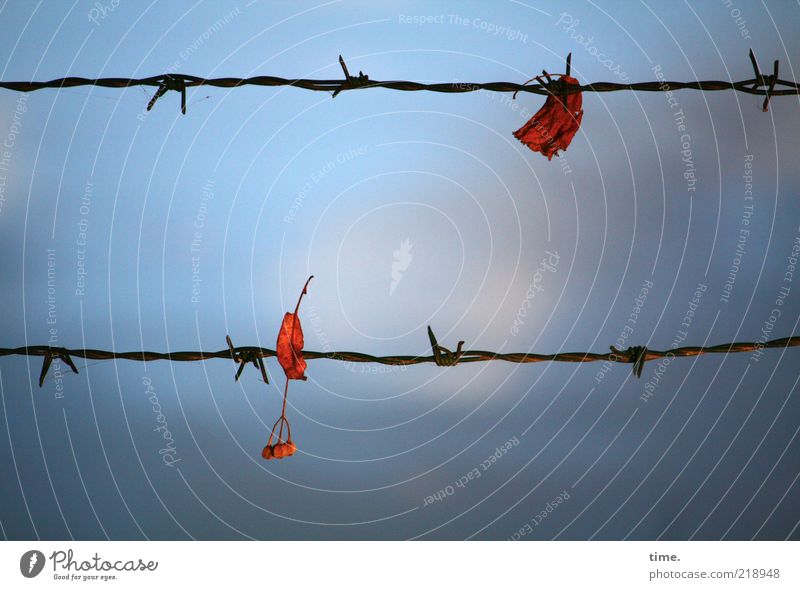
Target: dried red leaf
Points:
(555, 124)
(290, 347)
(290, 343)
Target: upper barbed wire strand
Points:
(760, 85)
(748, 86)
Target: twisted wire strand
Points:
(760, 84)
(751, 86)
(467, 356)
(766, 86)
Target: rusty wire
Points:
(762, 85)
(636, 355)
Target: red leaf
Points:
(290, 342)
(290, 347)
(554, 125)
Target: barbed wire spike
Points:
(242, 357)
(640, 358)
(349, 81)
(62, 355)
(634, 354)
(761, 80)
(758, 77)
(441, 355)
(772, 81)
(170, 82)
(569, 64)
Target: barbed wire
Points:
(441, 356)
(760, 84)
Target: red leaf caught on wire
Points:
(290, 347)
(555, 124)
(289, 351)
(290, 342)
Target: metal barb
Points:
(634, 354)
(759, 79)
(60, 354)
(442, 356)
(773, 79)
(349, 81)
(242, 357)
(170, 82)
(639, 356)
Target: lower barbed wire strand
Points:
(467, 356)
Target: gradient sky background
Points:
(282, 183)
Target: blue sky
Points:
(167, 232)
